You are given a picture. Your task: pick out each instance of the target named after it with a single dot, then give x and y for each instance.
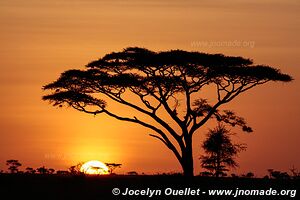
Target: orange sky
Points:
(41, 39)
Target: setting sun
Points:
(149, 99)
(94, 167)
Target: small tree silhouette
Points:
(75, 169)
(30, 170)
(132, 173)
(278, 174)
(51, 170)
(42, 170)
(220, 151)
(112, 166)
(248, 175)
(13, 166)
(98, 170)
(295, 173)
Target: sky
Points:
(41, 39)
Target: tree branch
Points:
(160, 138)
(168, 109)
(120, 100)
(160, 132)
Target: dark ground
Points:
(25, 186)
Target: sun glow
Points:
(94, 167)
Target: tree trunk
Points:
(187, 160)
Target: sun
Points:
(94, 167)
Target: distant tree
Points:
(234, 175)
(220, 151)
(295, 173)
(75, 169)
(278, 174)
(30, 170)
(72, 169)
(132, 173)
(248, 175)
(171, 83)
(98, 170)
(266, 177)
(270, 172)
(62, 172)
(172, 173)
(42, 170)
(51, 170)
(112, 166)
(13, 166)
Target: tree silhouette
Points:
(98, 170)
(75, 169)
(30, 170)
(42, 170)
(249, 175)
(132, 173)
(112, 166)
(220, 151)
(51, 171)
(278, 174)
(13, 166)
(164, 89)
(295, 172)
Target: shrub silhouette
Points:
(220, 151)
(13, 166)
(42, 170)
(75, 169)
(30, 170)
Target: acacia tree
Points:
(220, 151)
(169, 82)
(30, 170)
(42, 170)
(13, 166)
(76, 169)
(112, 166)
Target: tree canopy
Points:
(157, 79)
(13, 166)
